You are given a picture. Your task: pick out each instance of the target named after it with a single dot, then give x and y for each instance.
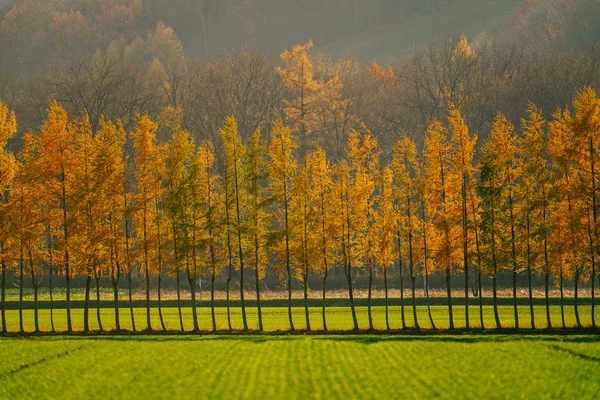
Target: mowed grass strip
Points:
(299, 367)
(275, 318)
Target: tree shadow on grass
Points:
(366, 338)
(464, 339)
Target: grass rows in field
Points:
(295, 367)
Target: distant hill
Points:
(49, 32)
(399, 40)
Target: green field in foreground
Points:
(276, 318)
(299, 367)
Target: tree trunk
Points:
(242, 300)
(160, 314)
(495, 296)
(515, 305)
(36, 317)
(239, 235)
(127, 261)
(402, 313)
(494, 261)
(414, 302)
(68, 298)
(324, 251)
(346, 245)
(178, 283)
(576, 284)
(593, 294)
(425, 259)
(131, 302)
(115, 283)
(449, 295)
(51, 298)
(412, 273)
(35, 285)
(21, 272)
(258, 306)
(147, 275)
(513, 240)
(427, 298)
(387, 314)
(478, 249)
(369, 296)
(465, 248)
(289, 289)
(160, 267)
(146, 267)
(562, 300)
(228, 286)
(546, 265)
(86, 307)
(3, 295)
(480, 299)
(351, 294)
(213, 259)
(177, 278)
(192, 282)
(66, 244)
(212, 300)
(306, 297)
(529, 283)
(229, 253)
(324, 297)
(546, 294)
(98, 304)
(529, 277)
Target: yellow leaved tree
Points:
(282, 170)
(147, 174)
(404, 164)
(586, 131)
(58, 158)
(8, 166)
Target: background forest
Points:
(212, 58)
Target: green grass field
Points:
(297, 367)
(276, 318)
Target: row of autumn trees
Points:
(107, 203)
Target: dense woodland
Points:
(150, 164)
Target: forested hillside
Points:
(160, 54)
(205, 27)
